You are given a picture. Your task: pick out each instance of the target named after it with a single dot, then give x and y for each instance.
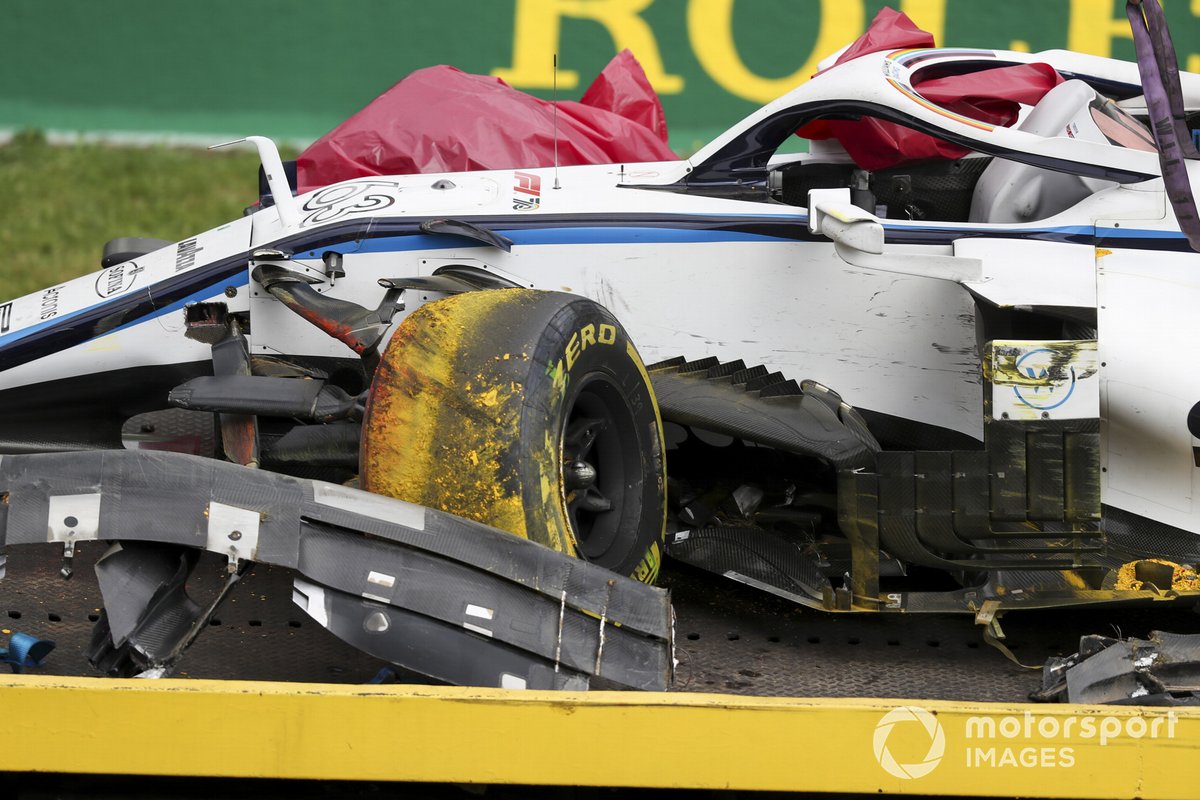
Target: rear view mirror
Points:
(830, 213)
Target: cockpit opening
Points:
(973, 187)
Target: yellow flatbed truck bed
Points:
(765, 698)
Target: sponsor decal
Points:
(185, 254)
(50, 302)
(589, 334)
(527, 194)
(344, 199)
(1042, 365)
(119, 279)
(5, 317)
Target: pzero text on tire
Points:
(530, 411)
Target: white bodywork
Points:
(887, 321)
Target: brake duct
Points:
(363, 329)
(429, 591)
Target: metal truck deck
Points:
(766, 696)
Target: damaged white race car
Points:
(948, 385)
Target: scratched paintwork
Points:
(1043, 379)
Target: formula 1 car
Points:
(946, 384)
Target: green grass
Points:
(65, 202)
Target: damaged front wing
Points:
(429, 591)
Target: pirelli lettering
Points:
(588, 335)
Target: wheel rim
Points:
(600, 467)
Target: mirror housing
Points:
(830, 213)
(858, 239)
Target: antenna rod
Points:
(268, 155)
(554, 102)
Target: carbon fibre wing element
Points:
(429, 591)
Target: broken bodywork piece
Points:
(1019, 520)
(1161, 670)
(432, 592)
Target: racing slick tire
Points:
(526, 410)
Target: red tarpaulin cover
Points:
(991, 95)
(441, 119)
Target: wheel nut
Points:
(579, 475)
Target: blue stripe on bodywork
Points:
(84, 324)
(1136, 233)
(556, 235)
(401, 236)
(632, 235)
(241, 280)
(236, 282)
